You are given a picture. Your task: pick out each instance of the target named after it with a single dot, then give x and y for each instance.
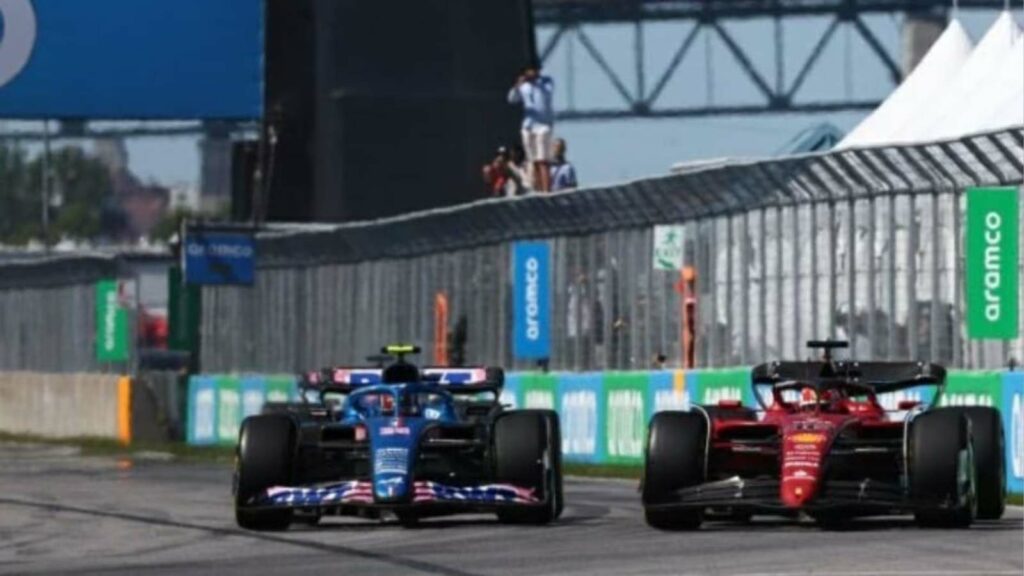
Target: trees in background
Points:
(81, 202)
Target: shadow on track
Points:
(852, 525)
(424, 567)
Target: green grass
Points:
(603, 470)
(108, 447)
(1015, 499)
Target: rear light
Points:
(730, 404)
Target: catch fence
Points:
(865, 245)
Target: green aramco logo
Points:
(993, 273)
(992, 263)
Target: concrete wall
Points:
(65, 405)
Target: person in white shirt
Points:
(535, 92)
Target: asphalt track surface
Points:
(62, 513)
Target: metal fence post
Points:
(911, 295)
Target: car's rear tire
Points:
(266, 452)
(989, 460)
(528, 454)
(674, 459)
(941, 468)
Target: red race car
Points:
(822, 446)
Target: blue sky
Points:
(615, 151)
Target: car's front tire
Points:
(941, 468)
(674, 459)
(528, 454)
(266, 451)
(989, 460)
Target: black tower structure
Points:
(381, 108)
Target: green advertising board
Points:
(625, 406)
(280, 388)
(184, 313)
(229, 409)
(992, 233)
(726, 384)
(973, 389)
(111, 324)
(538, 391)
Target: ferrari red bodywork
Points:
(797, 446)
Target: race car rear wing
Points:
(345, 379)
(881, 376)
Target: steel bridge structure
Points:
(566, 22)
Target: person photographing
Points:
(535, 92)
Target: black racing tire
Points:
(266, 453)
(939, 439)
(307, 519)
(989, 460)
(674, 459)
(528, 454)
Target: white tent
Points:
(933, 74)
(1007, 109)
(962, 106)
(997, 102)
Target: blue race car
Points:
(402, 441)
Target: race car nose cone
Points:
(801, 464)
(796, 493)
(391, 487)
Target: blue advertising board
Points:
(219, 258)
(1013, 428)
(531, 284)
(134, 59)
(579, 402)
(201, 425)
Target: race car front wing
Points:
(360, 493)
(762, 494)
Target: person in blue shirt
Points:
(535, 92)
(563, 175)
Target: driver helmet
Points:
(808, 398)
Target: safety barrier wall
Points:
(604, 415)
(65, 405)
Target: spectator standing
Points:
(563, 174)
(535, 92)
(505, 175)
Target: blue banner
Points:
(219, 258)
(579, 399)
(254, 394)
(134, 59)
(531, 273)
(1013, 428)
(202, 410)
(670, 390)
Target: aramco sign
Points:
(992, 263)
